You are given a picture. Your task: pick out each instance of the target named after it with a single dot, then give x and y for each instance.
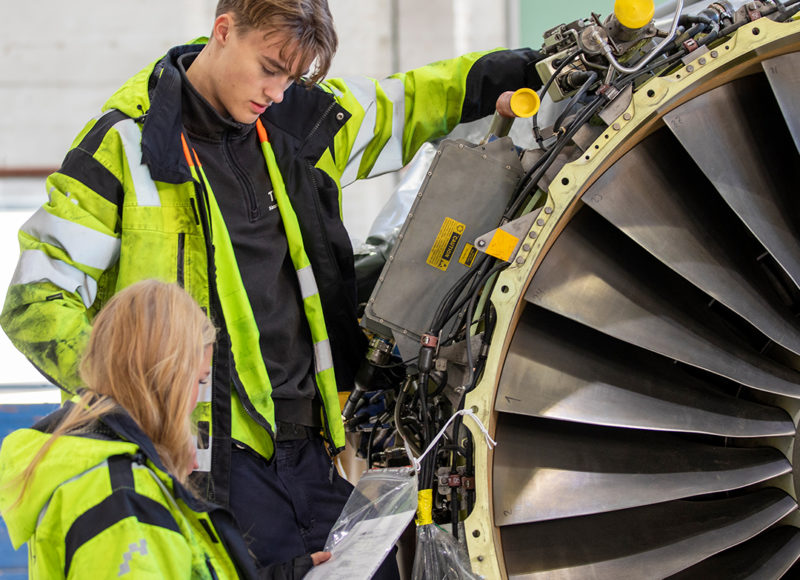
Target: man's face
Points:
(251, 74)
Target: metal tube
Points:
(649, 57)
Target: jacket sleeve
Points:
(68, 250)
(392, 118)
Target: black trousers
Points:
(286, 508)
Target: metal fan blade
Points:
(552, 469)
(690, 230)
(558, 369)
(592, 276)
(769, 555)
(783, 73)
(649, 542)
(751, 160)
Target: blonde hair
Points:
(143, 354)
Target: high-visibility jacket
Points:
(126, 204)
(102, 505)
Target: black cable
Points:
(543, 92)
(574, 100)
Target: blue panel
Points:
(14, 564)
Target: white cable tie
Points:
(416, 461)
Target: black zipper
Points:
(252, 206)
(181, 251)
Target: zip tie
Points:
(417, 461)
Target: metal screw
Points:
(539, 222)
(615, 126)
(689, 69)
(520, 260)
(532, 235)
(548, 210)
(480, 558)
(526, 247)
(339, 116)
(481, 243)
(627, 116)
(702, 61)
(714, 54)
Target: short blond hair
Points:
(308, 22)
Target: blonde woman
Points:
(98, 487)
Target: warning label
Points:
(445, 244)
(468, 255)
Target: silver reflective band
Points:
(204, 458)
(83, 244)
(36, 266)
(143, 184)
(308, 284)
(323, 358)
(363, 89)
(141, 548)
(391, 156)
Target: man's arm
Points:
(392, 118)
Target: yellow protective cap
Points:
(634, 14)
(524, 102)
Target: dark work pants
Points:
(286, 508)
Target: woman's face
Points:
(203, 376)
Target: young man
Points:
(220, 167)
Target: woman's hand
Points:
(319, 557)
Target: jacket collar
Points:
(308, 118)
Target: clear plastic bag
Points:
(375, 515)
(440, 557)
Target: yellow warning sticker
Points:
(502, 245)
(468, 255)
(445, 244)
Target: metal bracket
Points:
(504, 242)
(617, 106)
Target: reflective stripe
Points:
(83, 244)
(391, 156)
(308, 284)
(323, 357)
(146, 192)
(363, 90)
(36, 266)
(204, 458)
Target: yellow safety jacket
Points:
(102, 505)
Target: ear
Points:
(223, 28)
